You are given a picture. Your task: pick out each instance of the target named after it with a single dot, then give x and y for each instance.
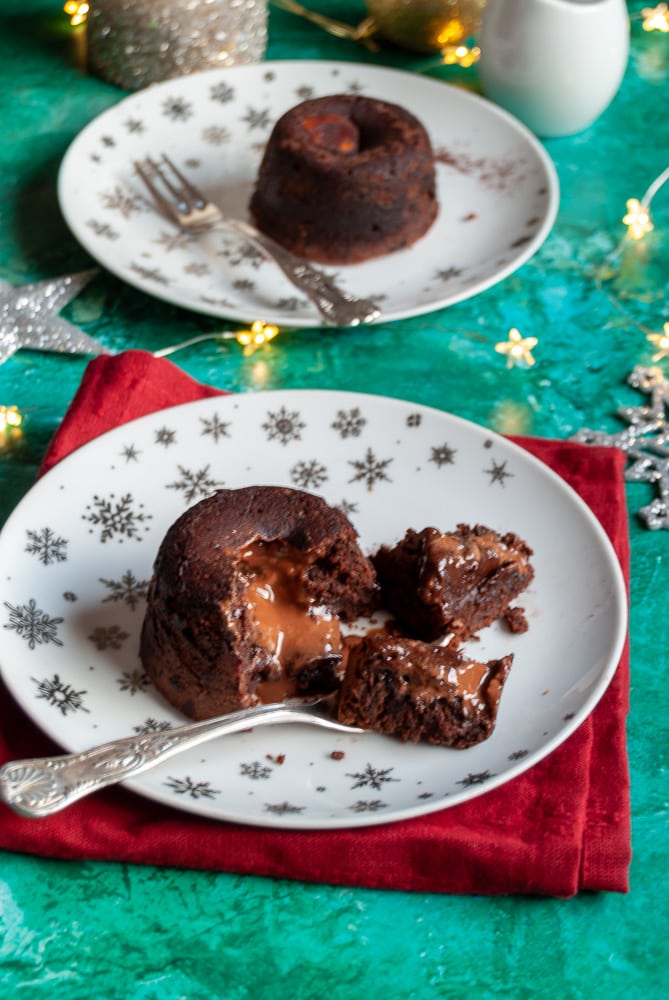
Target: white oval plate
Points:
(497, 186)
(78, 550)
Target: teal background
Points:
(81, 930)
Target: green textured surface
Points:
(71, 930)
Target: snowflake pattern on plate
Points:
(128, 589)
(33, 624)
(195, 789)
(487, 163)
(371, 776)
(117, 517)
(195, 484)
(133, 681)
(72, 606)
(255, 770)
(47, 546)
(283, 426)
(108, 637)
(60, 695)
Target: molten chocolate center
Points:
(295, 633)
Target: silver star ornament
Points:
(29, 317)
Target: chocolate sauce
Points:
(298, 636)
(463, 678)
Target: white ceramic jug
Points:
(555, 64)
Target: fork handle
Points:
(44, 785)
(336, 306)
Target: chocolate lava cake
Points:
(346, 178)
(459, 581)
(417, 691)
(248, 590)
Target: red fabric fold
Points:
(560, 828)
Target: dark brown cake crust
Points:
(343, 193)
(416, 691)
(459, 581)
(199, 641)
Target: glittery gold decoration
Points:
(426, 25)
(133, 43)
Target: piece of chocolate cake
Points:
(345, 178)
(247, 593)
(417, 691)
(456, 582)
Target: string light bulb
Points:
(10, 419)
(518, 349)
(661, 341)
(256, 336)
(77, 11)
(460, 55)
(637, 219)
(655, 18)
(260, 333)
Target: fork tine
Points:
(143, 171)
(180, 194)
(198, 198)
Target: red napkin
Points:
(561, 827)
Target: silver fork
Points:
(182, 203)
(40, 786)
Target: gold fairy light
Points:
(460, 55)
(10, 420)
(77, 11)
(518, 349)
(639, 223)
(661, 341)
(655, 18)
(259, 334)
(637, 219)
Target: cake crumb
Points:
(516, 620)
(337, 755)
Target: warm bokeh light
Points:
(656, 18)
(661, 342)
(518, 349)
(10, 419)
(77, 11)
(460, 55)
(637, 219)
(260, 333)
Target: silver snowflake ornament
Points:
(645, 442)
